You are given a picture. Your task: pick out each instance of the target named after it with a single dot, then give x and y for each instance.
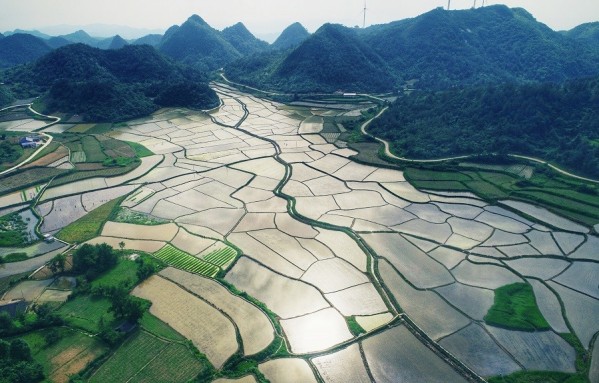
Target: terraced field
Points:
(290, 238)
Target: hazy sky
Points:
(262, 17)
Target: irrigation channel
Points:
(372, 259)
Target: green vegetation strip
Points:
(140, 150)
(181, 260)
(515, 308)
(88, 226)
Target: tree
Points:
(19, 350)
(122, 245)
(57, 263)
(144, 269)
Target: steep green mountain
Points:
(556, 122)
(152, 40)
(588, 33)
(21, 48)
(440, 49)
(485, 45)
(243, 40)
(109, 85)
(82, 37)
(292, 36)
(197, 43)
(333, 58)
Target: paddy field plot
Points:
(130, 244)
(397, 356)
(543, 268)
(332, 275)
(581, 311)
(288, 370)
(211, 332)
(286, 246)
(126, 230)
(543, 242)
(413, 263)
(473, 346)
(472, 301)
(549, 306)
(546, 216)
(316, 331)
(425, 308)
(190, 243)
(358, 199)
(254, 326)
(502, 222)
(568, 242)
(487, 276)
(537, 351)
(344, 247)
(359, 300)
(286, 297)
(259, 252)
(343, 366)
(588, 250)
(27, 290)
(372, 322)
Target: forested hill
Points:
(441, 49)
(21, 48)
(291, 36)
(198, 44)
(333, 58)
(554, 122)
(110, 85)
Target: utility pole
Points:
(365, 9)
(474, 6)
(448, 4)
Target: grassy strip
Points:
(515, 308)
(354, 326)
(88, 226)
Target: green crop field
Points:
(221, 257)
(146, 358)
(131, 357)
(88, 226)
(85, 312)
(157, 327)
(140, 150)
(123, 274)
(515, 308)
(68, 355)
(181, 260)
(93, 150)
(29, 177)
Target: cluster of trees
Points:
(109, 85)
(16, 363)
(93, 260)
(558, 123)
(8, 152)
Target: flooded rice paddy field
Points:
(324, 242)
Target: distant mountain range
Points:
(439, 49)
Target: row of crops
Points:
(209, 266)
